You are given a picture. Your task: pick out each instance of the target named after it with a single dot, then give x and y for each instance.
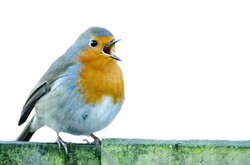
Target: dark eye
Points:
(93, 43)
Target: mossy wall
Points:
(129, 152)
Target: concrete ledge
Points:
(194, 152)
(129, 151)
(25, 153)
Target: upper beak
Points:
(108, 49)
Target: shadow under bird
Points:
(81, 92)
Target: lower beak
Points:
(108, 49)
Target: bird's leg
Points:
(85, 140)
(63, 143)
(97, 141)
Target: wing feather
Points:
(44, 85)
(30, 103)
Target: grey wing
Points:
(44, 85)
(30, 103)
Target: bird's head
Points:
(98, 44)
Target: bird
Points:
(81, 92)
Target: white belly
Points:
(92, 118)
(80, 120)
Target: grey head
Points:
(83, 40)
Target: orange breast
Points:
(100, 76)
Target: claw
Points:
(85, 140)
(96, 141)
(63, 143)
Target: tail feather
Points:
(26, 134)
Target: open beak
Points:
(108, 50)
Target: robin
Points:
(81, 92)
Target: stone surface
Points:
(156, 152)
(23, 153)
(129, 152)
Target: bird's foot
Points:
(96, 141)
(60, 143)
(86, 141)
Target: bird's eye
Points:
(93, 43)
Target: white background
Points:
(186, 64)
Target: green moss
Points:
(140, 152)
(23, 153)
(129, 151)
